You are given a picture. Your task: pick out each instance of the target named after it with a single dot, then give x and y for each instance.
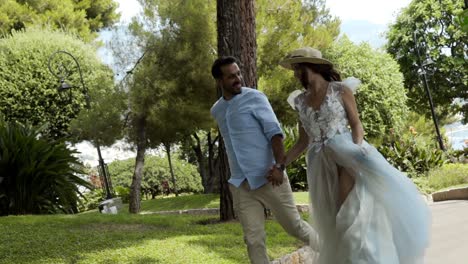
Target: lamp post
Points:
(62, 71)
(421, 66)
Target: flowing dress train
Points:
(384, 219)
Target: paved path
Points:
(449, 243)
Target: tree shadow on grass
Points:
(278, 241)
(137, 260)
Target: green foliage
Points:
(463, 20)
(447, 176)
(297, 170)
(91, 199)
(37, 176)
(440, 36)
(414, 149)
(102, 123)
(422, 184)
(171, 88)
(181, 70)
(28, 91)
(84, 17)
(381, 97)
(409, 156)
(155, 172)
(123, 193)
(423, 128)
(460, 155)
(281, 27)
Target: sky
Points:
(366, 20)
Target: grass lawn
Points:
(448, 176)
(184, 202)
(125, 238)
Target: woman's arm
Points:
(299, 147)
(353, 116)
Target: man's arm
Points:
(278, 148)
(276, 174)
(264, 113)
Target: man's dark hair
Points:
(218, 63)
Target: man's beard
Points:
(234, 87)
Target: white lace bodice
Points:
(327, 121)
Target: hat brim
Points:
(287, 63)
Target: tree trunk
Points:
(248, 55)
(135, 188)
(236, 37)
(213, 173)
(226, 208)
(201, 162)
(168, 151)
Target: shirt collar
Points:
(234, 98)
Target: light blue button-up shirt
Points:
(247, 123)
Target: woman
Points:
(364, 210)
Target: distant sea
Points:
(457, 133)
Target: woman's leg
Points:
(346, 183)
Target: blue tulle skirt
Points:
(383, 220)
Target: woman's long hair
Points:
(326, 70)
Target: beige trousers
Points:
(249, 207)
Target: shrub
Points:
(408, 155)
(423, 184)
(91, 199)
(460, 155)
(37, 176)
(448, 175)
(28, 90)
(155, 174)
(297, 170)
(381, 98)
(123, 193)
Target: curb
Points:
(451, 194)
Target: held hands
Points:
(275, 176)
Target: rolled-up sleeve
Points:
(264, 114)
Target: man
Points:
(254, 145)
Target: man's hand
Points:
(275, 176)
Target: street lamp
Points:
(422, 69)
(60, 68)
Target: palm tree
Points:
(37, 175)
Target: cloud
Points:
(366, 20)
(127, 10)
